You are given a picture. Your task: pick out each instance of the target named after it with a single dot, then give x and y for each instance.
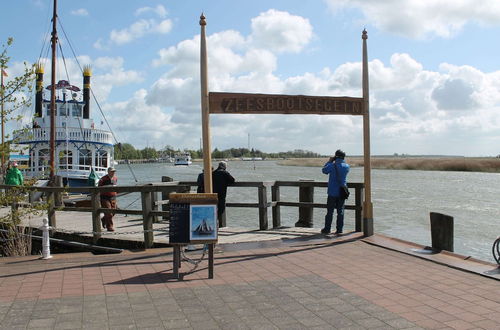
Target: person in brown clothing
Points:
(108, 198)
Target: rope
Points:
(94, 97)
(194, 262)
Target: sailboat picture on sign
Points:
(203, 223)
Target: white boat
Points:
(79, 147)
(63, 140)
(183, 159)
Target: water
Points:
(402, 200)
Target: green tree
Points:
(14, 94)
(126, 151)
(149, 153)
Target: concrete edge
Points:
(445, 258)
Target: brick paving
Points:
(322, 284)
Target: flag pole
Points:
(3, 119)
(367, 205)
(205, 115)
(53, 95)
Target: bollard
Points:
(442, 231)
(45, 239)
(306, 195)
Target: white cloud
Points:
(158, 10)
(422, 19)
(80, 12)
(138, 29)
(410, 105)
(280, 31)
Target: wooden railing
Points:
(155, 195)
(149, 208)
(306, 201)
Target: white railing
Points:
(70, 133)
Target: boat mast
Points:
(3, 119)
(53, 94)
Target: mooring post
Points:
(275, 198)
(45, 239)
(306, 195)
(442, 231)
(147, 219)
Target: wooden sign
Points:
(193, 218)
(245, 103)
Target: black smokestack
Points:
(39, 90)
(87, 72)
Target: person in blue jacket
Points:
(337, 169)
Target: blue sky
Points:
(434, 73)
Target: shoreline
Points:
(462, 164)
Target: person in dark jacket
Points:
(337, 170)
(14, 177)
(200, 182)
(221, 179)
(108, 198)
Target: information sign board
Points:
(193, 218)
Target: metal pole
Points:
(53, 94)
(3, 119)
(205, 115)
(368, 206)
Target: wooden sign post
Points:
(247, 103)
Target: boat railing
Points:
(155, 197)
(85, 169)
(63, 133)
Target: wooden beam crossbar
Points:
(248, 103)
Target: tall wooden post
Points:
(2, 90)
(53, 96)
(367, 206)
(205, 116)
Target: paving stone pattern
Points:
(306, 302)
(329, 285)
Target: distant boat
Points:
(204, 228)
(250, 158)
(183, 159)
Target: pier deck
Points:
(329, 283)
(290, 278)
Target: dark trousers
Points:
(334, 203)
(107, 219)
(221, 208)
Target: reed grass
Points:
(464, 164)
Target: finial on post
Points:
(202, 20)
(365, 34)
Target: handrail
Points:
(150, 202)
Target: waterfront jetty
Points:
(148, 227)
(323, 283)
(276, 278)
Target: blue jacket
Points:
(333, 182)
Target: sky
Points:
(433, 69)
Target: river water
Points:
(402, 199)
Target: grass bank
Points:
(464, 164)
